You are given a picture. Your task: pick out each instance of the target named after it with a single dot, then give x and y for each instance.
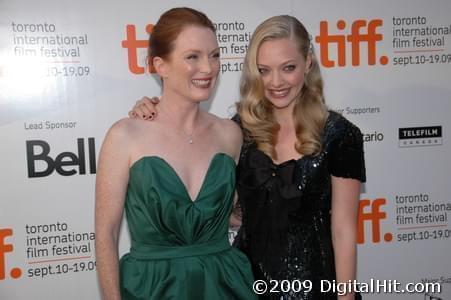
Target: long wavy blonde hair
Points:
(256, 112)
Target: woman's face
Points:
(192, 67)
(282, 68)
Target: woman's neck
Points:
(284, 117)
(182, 113)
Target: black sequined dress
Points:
(286, 231)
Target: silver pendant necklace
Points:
(190, 136)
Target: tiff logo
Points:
(356, 38)
(6, 248)
(374, 216)
(132, 44)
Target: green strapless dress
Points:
(179, 247)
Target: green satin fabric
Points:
(179, 247)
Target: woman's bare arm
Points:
(111, 185)
(345, 202)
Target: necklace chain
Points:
(188, 135)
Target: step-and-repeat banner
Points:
(69, 69)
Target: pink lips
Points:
(202, 82)
(281, 93)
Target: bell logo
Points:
(132, 45)
(375, 215)
(6, 248)
(356, 38)
(38, 150)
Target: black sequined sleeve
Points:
(347, 155)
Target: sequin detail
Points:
(286, 229)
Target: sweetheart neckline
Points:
(179, 179)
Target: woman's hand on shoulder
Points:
(145, 108)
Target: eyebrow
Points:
(291, 61)
(199, 51)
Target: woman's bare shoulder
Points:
(226, 127)
(129, 132)
(229, 135)
(130, 127)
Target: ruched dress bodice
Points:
(179, 246)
